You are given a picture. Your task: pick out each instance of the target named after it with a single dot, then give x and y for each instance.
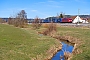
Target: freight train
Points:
(57, 20)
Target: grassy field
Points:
(23, 44)
(81, 33)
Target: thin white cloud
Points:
(81, 1)
(54, 6)
(41, 2)
(52, 1)
(39, 13)
(42, 13)
(77, 0)
(34, 10)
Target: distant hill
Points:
(82, 16)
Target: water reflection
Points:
(59, 55)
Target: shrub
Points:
(10, 21)
(36, 23)
(2, 21)
(17, 22)
(89, 20)
(45, 25)
(51, 29)
(67, 55)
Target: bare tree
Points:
(22, 14)
(36, 23)
(20, 20)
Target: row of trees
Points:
(21, 20)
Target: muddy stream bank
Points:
(69, 48)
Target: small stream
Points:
(65, 47)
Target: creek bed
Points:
(60, 54)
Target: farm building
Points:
(78, 19)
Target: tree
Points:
(22, 14)
(61, 15)
(21, 19)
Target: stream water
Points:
(65, 47)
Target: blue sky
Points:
(43, 8)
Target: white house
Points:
(78, 19)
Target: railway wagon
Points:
(58, 20)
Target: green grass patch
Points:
(22, 44)
(81, 33)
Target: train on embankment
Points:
(57, 20)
